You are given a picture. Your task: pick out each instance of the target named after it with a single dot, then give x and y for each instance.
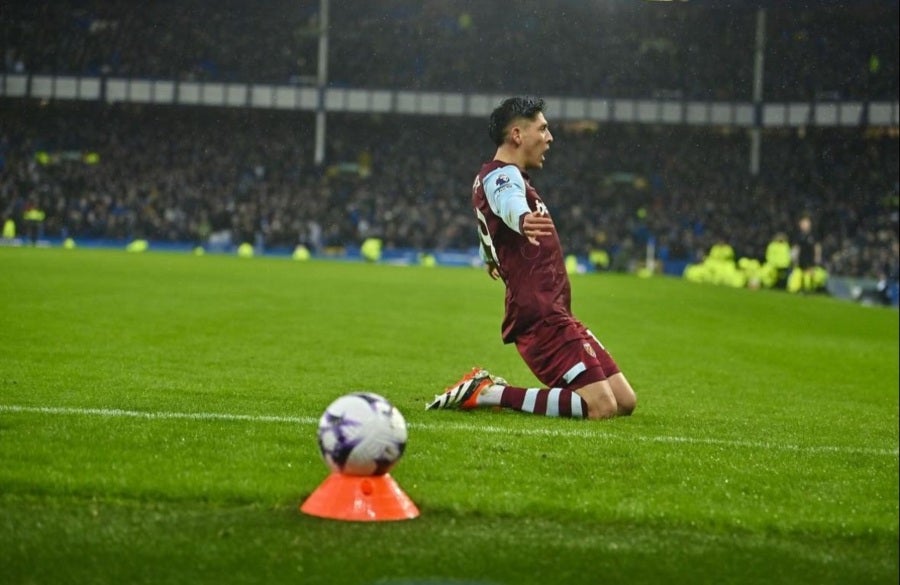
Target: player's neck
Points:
(504, 155)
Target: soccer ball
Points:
(361, 434)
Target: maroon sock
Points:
(545, 401)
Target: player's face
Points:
(536, 139)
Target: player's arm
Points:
(505, 191)
(489, 263)
(535, 225)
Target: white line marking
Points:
(451, 426)
(586, 433)
(116, 413)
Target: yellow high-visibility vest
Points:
(34, 214)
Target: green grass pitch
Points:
(157, 425)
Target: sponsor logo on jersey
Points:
(590, 350)
(501, 180)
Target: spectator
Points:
(233, 175)
(649, 49)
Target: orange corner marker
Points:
(360, 498)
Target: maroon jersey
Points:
(537, 285)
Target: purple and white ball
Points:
(362, 434)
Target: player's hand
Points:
(536, 225)
(492, 270)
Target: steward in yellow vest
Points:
(33, 217)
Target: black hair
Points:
(509, 110)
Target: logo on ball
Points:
(362, 434)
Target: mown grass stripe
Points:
(452, 426)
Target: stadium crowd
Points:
(621, 48)
(204, 175)
(242, 175)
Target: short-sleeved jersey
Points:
(537, 285)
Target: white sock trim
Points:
(577, 412)
(530, 399)
(491, 395)
(553, 402)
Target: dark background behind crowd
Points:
(701, 49)
(197, 174)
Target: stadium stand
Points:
(201, 175)
(816, 50)
(181, 174)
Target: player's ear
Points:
(515, 133)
